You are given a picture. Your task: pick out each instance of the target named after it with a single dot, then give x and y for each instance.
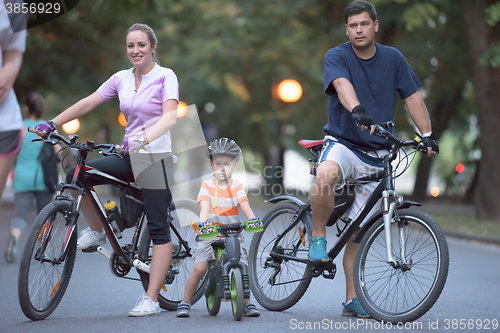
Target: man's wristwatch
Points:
(142, 140)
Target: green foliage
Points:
(418, 15)
(232, 52)
(492, 56)
(493, 13)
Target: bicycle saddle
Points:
(219, 243)
(310, 143)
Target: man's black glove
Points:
(430, 141)
(360, 117)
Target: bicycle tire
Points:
(237, 294)
(182, 210)
(294, 277)
(213, 301)
(412, 290)
(42, 283)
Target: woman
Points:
(29, 185)
(148, 97)
(12, 46)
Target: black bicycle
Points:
(49, 255)
(227, 277)
(402, 262)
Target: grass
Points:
(468, 225)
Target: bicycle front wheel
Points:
(237, 294)
(279, 283)
(406, 291)
(47, 261)
(172, 291)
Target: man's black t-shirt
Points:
(376, 82)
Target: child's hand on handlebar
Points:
(204, 224)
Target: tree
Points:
(482, 36)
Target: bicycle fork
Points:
(389, 212)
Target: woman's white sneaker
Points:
(89, 238)
(145, 307)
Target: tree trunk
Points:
(442, 113)
(486, 81)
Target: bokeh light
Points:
(289, 91)
(182, 109)
(121, 120)
(435, 191)
(71, 127)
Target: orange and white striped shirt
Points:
(224, 203)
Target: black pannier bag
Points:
(344, 197)
(131, 207)
(49, 162)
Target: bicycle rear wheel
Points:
(279, 284)
(172, 292)
(404, 293)
(47, 261)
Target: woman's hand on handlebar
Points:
(45, 128)
(122, 147)
(132, 146)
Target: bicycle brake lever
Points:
(380, 131)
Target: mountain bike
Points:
(50, 251)
(227, 278)
(402, 262)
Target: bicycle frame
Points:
(81, 184)
(227, 259)
(50, 252)
(385, 190)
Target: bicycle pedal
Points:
(320, 262)
(90, 249)
(329, 270)
(319, 267)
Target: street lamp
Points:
(288, 91)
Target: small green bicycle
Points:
(228, 277)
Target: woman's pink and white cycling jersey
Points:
(143, 107)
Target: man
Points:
(361, 78)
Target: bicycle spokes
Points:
(402, 290)
(47, 261)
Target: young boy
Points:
(219, 199)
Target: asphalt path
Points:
(97, 301)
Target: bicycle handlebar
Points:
(106, 149)
(213, 229)
(381, 131)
